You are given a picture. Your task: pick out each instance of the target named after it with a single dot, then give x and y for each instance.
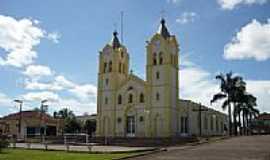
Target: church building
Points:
(129, 106)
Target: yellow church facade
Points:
(128, 106)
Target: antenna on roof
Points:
(122, 27)
(162, 13)
(115, 26)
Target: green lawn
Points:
(21, 154)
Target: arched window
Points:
(119, 99)
(157, 96)
(154, 59)
(105, 67)
(160, 58)
(130, 98)
(122, 54)
(157, 75)
(141, 98)
(110, 66)
(120, 67)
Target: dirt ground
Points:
(236, 148)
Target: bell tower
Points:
(113, 70)
(162, 76)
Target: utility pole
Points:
(200, 110)
(20, 116)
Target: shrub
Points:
(4, 143)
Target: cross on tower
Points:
(200, 110)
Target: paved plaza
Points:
(237, 148)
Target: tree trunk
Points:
(244, 124)
(239, 122)
(249, 122)
(230, 118)
(234, 121)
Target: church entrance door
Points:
(130, 126)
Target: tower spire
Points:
(115, 41)
(163, 31)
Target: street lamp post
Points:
(20, 118)
(42, 106)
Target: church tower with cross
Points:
(129, 106)
(162, 76)
(113, 70)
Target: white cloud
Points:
(38, 96)
(199, 85)
(56, 102)
(232, 4)
(35, 85)
(17, 38)
(84, 91)
(54, 36)
(186, 17)
(253, 41)
(261, 89)
(5, 101)
(174, 1)
(78, 107)
(37, 71)
(6, 104)
(60, 83)
(64, 82)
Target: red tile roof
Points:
(264, 116)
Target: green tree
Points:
(89, 126)
(71, 124)
(229, 85)
(3, 142)
(246, 103)
(64, 113)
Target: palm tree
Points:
(247, 102)
(239, 91)
(229, 86)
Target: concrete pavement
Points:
(236, 148)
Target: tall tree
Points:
(64, 113)
(229, 85)
(246, 103)
(72, 125)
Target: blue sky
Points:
(57, 43)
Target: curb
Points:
(142, 154)
(90, 152)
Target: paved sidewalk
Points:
(84, 148)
